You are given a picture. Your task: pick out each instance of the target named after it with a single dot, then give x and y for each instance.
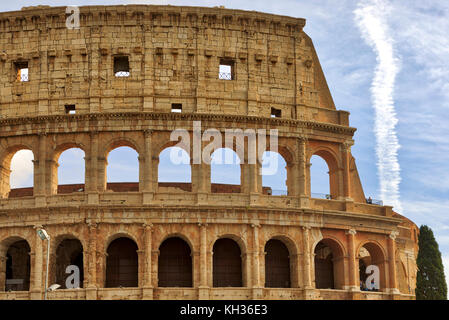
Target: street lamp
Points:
(44, 236)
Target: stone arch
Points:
(329, 256)
(272, 183)
(182, 171)
(15, 264)
(376, 256)
(54, 172)
(218, 184)
(175, 263)
(113, 144)
(122, 263)
(118, 142)
(277, 264)
(332, 161)
(67, 250)
(5, 167)
(228, 264)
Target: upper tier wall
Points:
(174, 56)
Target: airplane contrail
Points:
(370, 17)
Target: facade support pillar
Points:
(303, 174)
(352, 263)
(147, 177)
(392, 262)
(91, 290)
(37, 268)
(147, 293)
(203, 290)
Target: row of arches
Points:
(175, 263)
(123, 167)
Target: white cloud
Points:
(371, 18)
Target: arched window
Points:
(123, 170)
(69, 253)
(227, 264)
(175, 264)
(174, 169)
(277, 265)
(71, 171)
(225, 171)
(17, 273)
(122, 264)
(319, 178)
(274, 174)
(329, 267)
(371, 255)
(17, 174)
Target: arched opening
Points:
(17, 273)
(17, 174)
(122, 264)
(175, 263)
(69, 253)
(319, 178)
(277, 265)
(71, 171)
(227, 264)
(225, 171)
(329, 267)
(122, 170)
(274, 174)
(369, 255)
(174, 169)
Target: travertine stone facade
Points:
(174, 55)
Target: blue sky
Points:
(417, 31)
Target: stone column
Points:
(147, 185)
(92, 170)
(4, 182)
(256, 282)
(37, 268)
(203, 292)
(346, 154)
(154, 173)
(392, 262)
(39, 189)
(102, 163)
(52, 178)
(307, 263)
(147, 293)
(141, 268)
(353, 284)
(154, 268)
(303, 174)
(91, 291)
(3, 271)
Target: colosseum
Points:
(128, 77)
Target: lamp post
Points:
(44, 236)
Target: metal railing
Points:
(122, 74)
(374, 201)
(277, 192)
(225, 76)
(321, 196)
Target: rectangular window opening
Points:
(21, 71)
(275, 113)
(70, 109)
(176, 107)
(226, 71)
(121, 66)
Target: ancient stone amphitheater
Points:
(117, 81)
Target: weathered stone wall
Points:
(174, 55)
